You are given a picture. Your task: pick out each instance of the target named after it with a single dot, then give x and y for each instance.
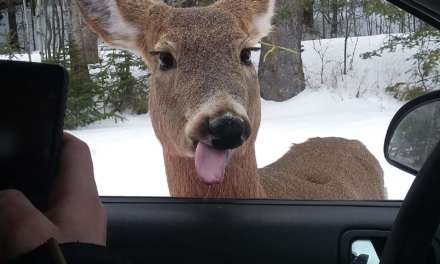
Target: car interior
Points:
(183, 230)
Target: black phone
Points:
(32, 106)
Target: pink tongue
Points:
(210, 164)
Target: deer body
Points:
(205, 103)
(320, 169)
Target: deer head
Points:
(204, 95)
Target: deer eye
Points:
(166, 61)
(245, 57)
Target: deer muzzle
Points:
(228, 132)
(212, 154)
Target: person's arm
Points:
(53, 253)
(74, 226)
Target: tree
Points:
(27, 42)
(82, 48)
(334, 6)
(281, 70)
(12, 21)
(309, 19)
(350, 14)
(426, 60)
(82, 37)
(99, 87)
(121, 91)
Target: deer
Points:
(205, 105)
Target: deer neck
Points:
(241, 180)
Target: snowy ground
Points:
(128, 158)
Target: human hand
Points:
(75, 212)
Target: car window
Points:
(178, 115)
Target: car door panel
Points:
(151, 230)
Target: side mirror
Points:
(413, 133)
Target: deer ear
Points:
(256, 15)
(120, 23)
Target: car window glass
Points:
(363, 251)
(328, 69)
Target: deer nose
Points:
(228, 131)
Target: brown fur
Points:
(210, 80)
(325, 168)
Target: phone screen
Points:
(32, 106)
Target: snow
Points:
(368, 76)
(360, 247)
(128, 158)
(35, 57)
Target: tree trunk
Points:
(347, 34)
(54, 28)
(32, 6)
(12, 21)
(48, 30)
(84, 40)
(39, 15)
(334, 24)
(27, 42)
(353, 18)
(281, 75)
(414, 24)
(309, 20)
(62, 29)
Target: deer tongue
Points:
(210, 163)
